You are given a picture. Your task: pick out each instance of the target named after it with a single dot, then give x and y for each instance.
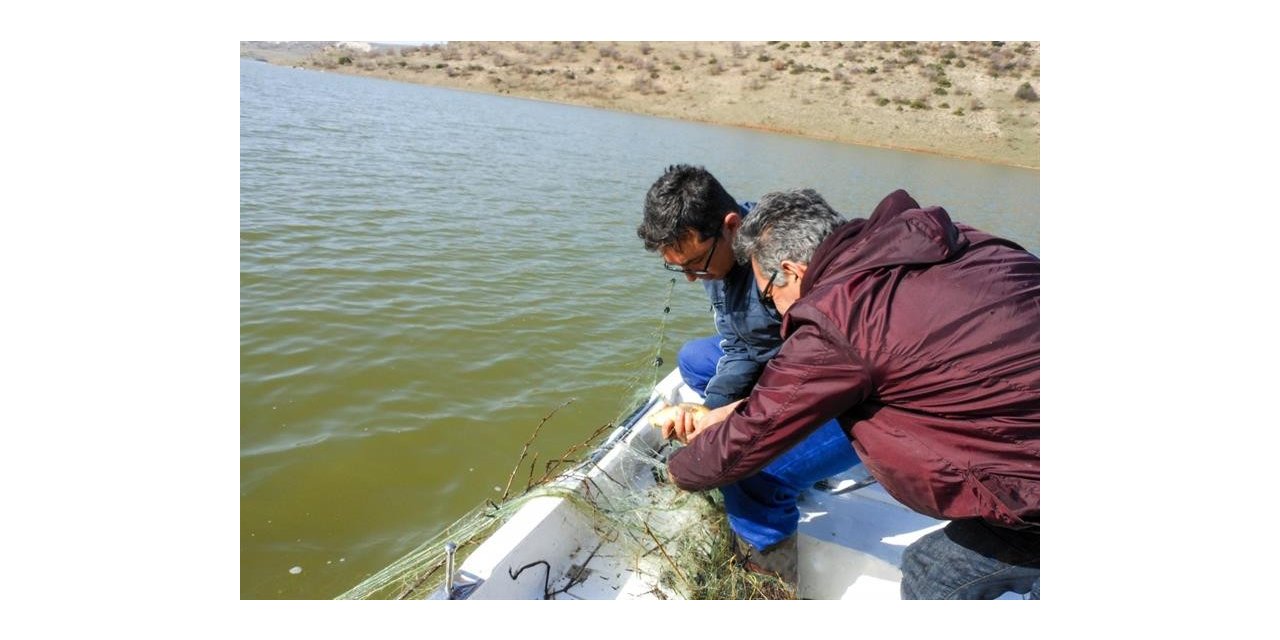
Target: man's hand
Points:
(685, 427)
(681, 425)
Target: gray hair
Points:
(785, 225)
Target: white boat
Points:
(851, 534)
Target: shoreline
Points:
(976, 102)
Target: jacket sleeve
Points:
(814, 378)
(736, 371)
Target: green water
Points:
(427, 273)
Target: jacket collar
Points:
(898, 232)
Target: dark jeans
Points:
(972, 560)
(762, 508)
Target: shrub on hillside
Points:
(999, 62)
(1026, 92)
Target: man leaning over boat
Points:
(692, 221)
(922, 338)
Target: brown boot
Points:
(780, 560)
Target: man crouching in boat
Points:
(922, 337)
(691, 221)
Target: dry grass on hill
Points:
(974, 100)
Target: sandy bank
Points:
(975, 100)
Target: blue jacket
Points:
(749, 332)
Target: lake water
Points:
(426, 273)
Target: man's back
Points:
(943, 322)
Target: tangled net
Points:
(678, 542)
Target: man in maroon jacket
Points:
(922, 337)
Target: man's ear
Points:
(732, 221)
(796, 269)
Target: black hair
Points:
(685, 197)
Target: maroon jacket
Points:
(923, 338)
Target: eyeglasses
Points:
(766, 296)
(697, 272)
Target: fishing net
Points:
(676, 544)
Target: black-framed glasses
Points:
(766, 296)
(697, 272)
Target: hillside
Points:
(976, 100)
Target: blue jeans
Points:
(762, 509)
(971, 560)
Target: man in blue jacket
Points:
(691, 221)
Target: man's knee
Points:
(915, 566)
(697, 361)
(687, 355)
